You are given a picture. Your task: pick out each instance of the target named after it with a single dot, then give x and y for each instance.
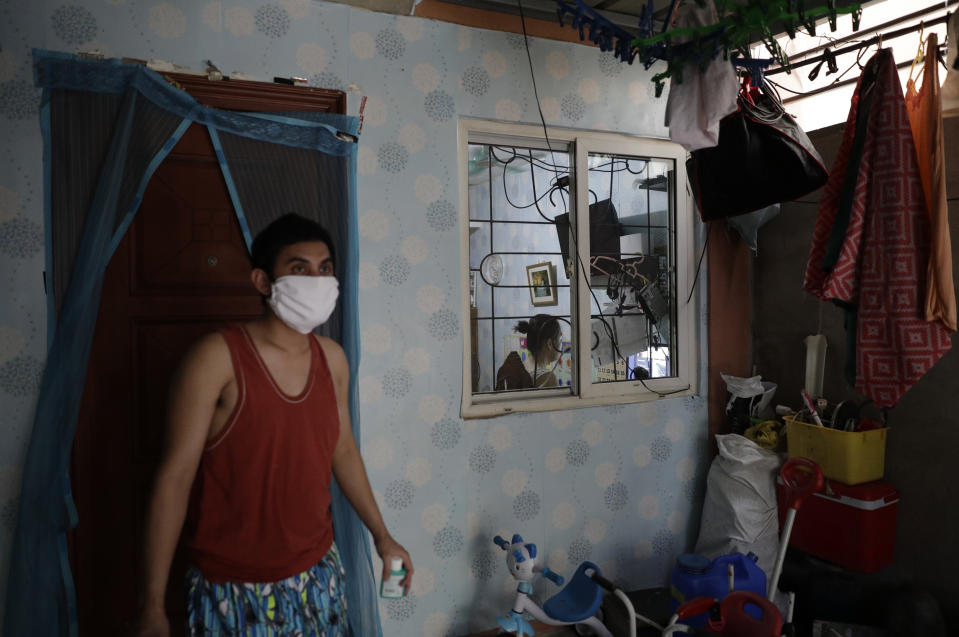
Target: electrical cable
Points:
(532, 179)
(533, 162)
(540, 163)
(573, 236)
(698, 266)
(536, 199)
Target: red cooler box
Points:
(850, 525)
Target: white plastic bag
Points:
(740, 511)
(741, 388)
(757, 393)
(706, 95)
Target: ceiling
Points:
(623, 13)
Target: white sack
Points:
(740, 511)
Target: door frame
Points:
(232, 95)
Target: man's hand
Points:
(388, 548)
(153, 623)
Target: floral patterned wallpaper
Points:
(619, 485)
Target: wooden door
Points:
(180, 272)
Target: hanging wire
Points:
(573, 237)
(698, 266)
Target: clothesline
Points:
(798, 95)
(879, 27)
(882, 37)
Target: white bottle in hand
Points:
(390, 587)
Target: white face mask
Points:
(304, 302)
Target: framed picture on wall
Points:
(541, 278)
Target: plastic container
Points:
(851, 457)
(853, 526)
(391, 588)
(696, 576)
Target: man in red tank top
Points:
(258, 424)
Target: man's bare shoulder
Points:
(210, 354)
(335, 357)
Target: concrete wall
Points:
(924, 426)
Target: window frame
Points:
(585, 393)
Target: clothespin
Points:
(669, 15)
(829, 58)
(660, 85)
(814, 73)
(831, 65)
(563, 8)
(790, 28)
(776, 51)
(831, 5)
(646, 20)
(856, 18)
(748, 91)
(758, 81)
(808, 22)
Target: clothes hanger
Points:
(920, 56)
(629, 268)
(594, 263)
(859, 55)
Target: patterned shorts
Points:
(310, 604)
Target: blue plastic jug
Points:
(696, 576)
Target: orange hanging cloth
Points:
(925, 117)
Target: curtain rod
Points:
(864, 44)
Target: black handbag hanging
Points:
(763, 157)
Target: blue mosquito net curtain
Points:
(107, 126)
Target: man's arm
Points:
(194, 393)
(351, 473)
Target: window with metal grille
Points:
(575, 251)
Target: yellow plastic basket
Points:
(851, 457)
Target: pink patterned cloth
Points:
(881, 266)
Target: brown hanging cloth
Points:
(925, 116)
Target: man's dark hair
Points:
(289, 229)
